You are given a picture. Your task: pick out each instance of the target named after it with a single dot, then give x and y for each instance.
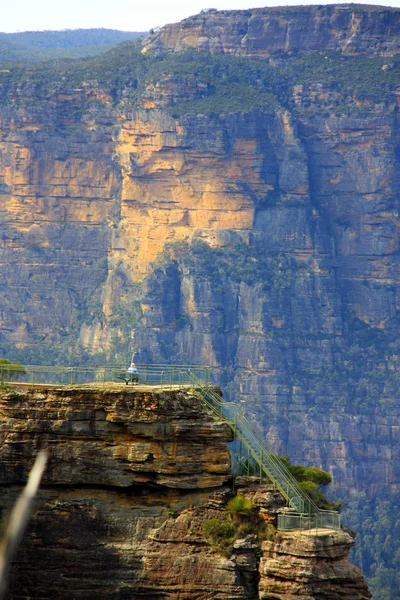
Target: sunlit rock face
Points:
(319, 563)
(260, 32)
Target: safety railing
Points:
(159, 375)
(265, 462)
(319, 520)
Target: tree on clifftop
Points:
(10, 371)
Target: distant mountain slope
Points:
(35, 46)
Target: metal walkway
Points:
(255, 456)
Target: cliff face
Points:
(259, 32)
(295, 338)
(132, 479)
(57, 190)
(318, 561)
(237, 209)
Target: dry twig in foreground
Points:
(18, 519)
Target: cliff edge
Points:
(347, 28)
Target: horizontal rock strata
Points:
(312, 566)
(133, 478)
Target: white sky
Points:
(128, 15)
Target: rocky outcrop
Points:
(260, 32)
(120, 438)
(133, 478)
(320, 563)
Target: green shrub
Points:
(247, 527)
(218, 530)
(10, 371)
(318, 476)
(314, 474)
(220, 535)
(311, 479)
(239, 505)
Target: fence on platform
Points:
(159, 375)
(319, 520)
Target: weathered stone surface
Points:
(319, 561)
(114, 438)
(259, 32)
(110, 523)
(177, 559)
(267, 499)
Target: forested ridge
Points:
(38, 46)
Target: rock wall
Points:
(319, 561)
(133, 477)
(93, 190)
(57, 190)
(259, 32)
(289, 342)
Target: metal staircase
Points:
(303, 513)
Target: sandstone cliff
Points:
(133, 477)
(259, 32)
(227, 195)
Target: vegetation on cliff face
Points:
(377, 523)
(237, 84)
(238, 263)
(364, 374)
(311, 480)
(241, 519)
(226, 84)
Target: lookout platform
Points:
(251, 451)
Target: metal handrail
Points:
(160, 375)
(261, 453)
(271, 465)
